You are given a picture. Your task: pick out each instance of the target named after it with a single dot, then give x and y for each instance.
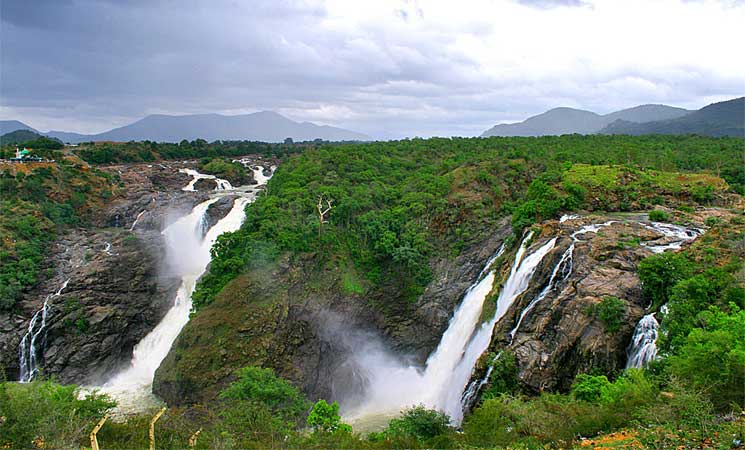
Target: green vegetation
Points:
(148, 151)
(37, 201)
(225, 169)
(324, 418)
(658, 215)
(43, 414)
(610, 311)
(398, 204)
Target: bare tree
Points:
(322, 213)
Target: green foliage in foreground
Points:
(324, 418)
(658, 411)
(43, 411)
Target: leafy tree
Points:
(589, 387)
(659, 273)
(325, 418)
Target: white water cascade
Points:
(28, 358)
(222, 185)
(393, 386)
(188, 251)
(562, 269)
(643, 348)
(680, 234)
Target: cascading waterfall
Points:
(680, 234)
(393, 386)
(188, 251)
(222, 185)
(561, 272)
(137, 219)
(28, 359)
(643, 348)
(520, 275)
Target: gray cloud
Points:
(87, 65)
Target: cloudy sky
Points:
(387, 68)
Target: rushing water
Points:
(30, 345)
(643, 348)
(393, 386)
(561, 272)
(188, 252)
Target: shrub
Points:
(416, 426)
(611, 311)
(589, 387)
(325, 418)
(504, 376)
(49, 413)
(262, 386)
(659, 273)
(658, 215)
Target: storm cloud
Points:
(386, 68)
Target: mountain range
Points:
(718, 119)
(263, 126)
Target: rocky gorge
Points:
(117, 282)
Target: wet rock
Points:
(277, 316)
(562, 336)
(217, 211)
(113, 299)
(205, 184)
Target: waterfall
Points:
(393, 385)
(222, 185)
(188, 251)
(563, 269)
(137, 219)
(643, 347)
(28, 358)
(680, 234)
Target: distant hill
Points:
(718, 119)
(18, 137)
(7, 126)
(261, 126)
(560, 121)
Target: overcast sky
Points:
(385, 68)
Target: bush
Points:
(262, 386)
(659, 273)
(49, 413)
(504, 377)
(416, 426)
(325, 418)
(611, 311)
(658, 215)
(712, 358)
(589, 388)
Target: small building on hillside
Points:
(24, 155)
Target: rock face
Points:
(217, 211)
(117, 290)
(562, 335)
(297, 320)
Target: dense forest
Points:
(393, 207)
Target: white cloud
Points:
(388, 68)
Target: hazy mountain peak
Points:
(266, 126)
(566, 120)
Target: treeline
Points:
(148, 151)
(397, 204)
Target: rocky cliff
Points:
(295, 318)
(118, 284)
(560, 332)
